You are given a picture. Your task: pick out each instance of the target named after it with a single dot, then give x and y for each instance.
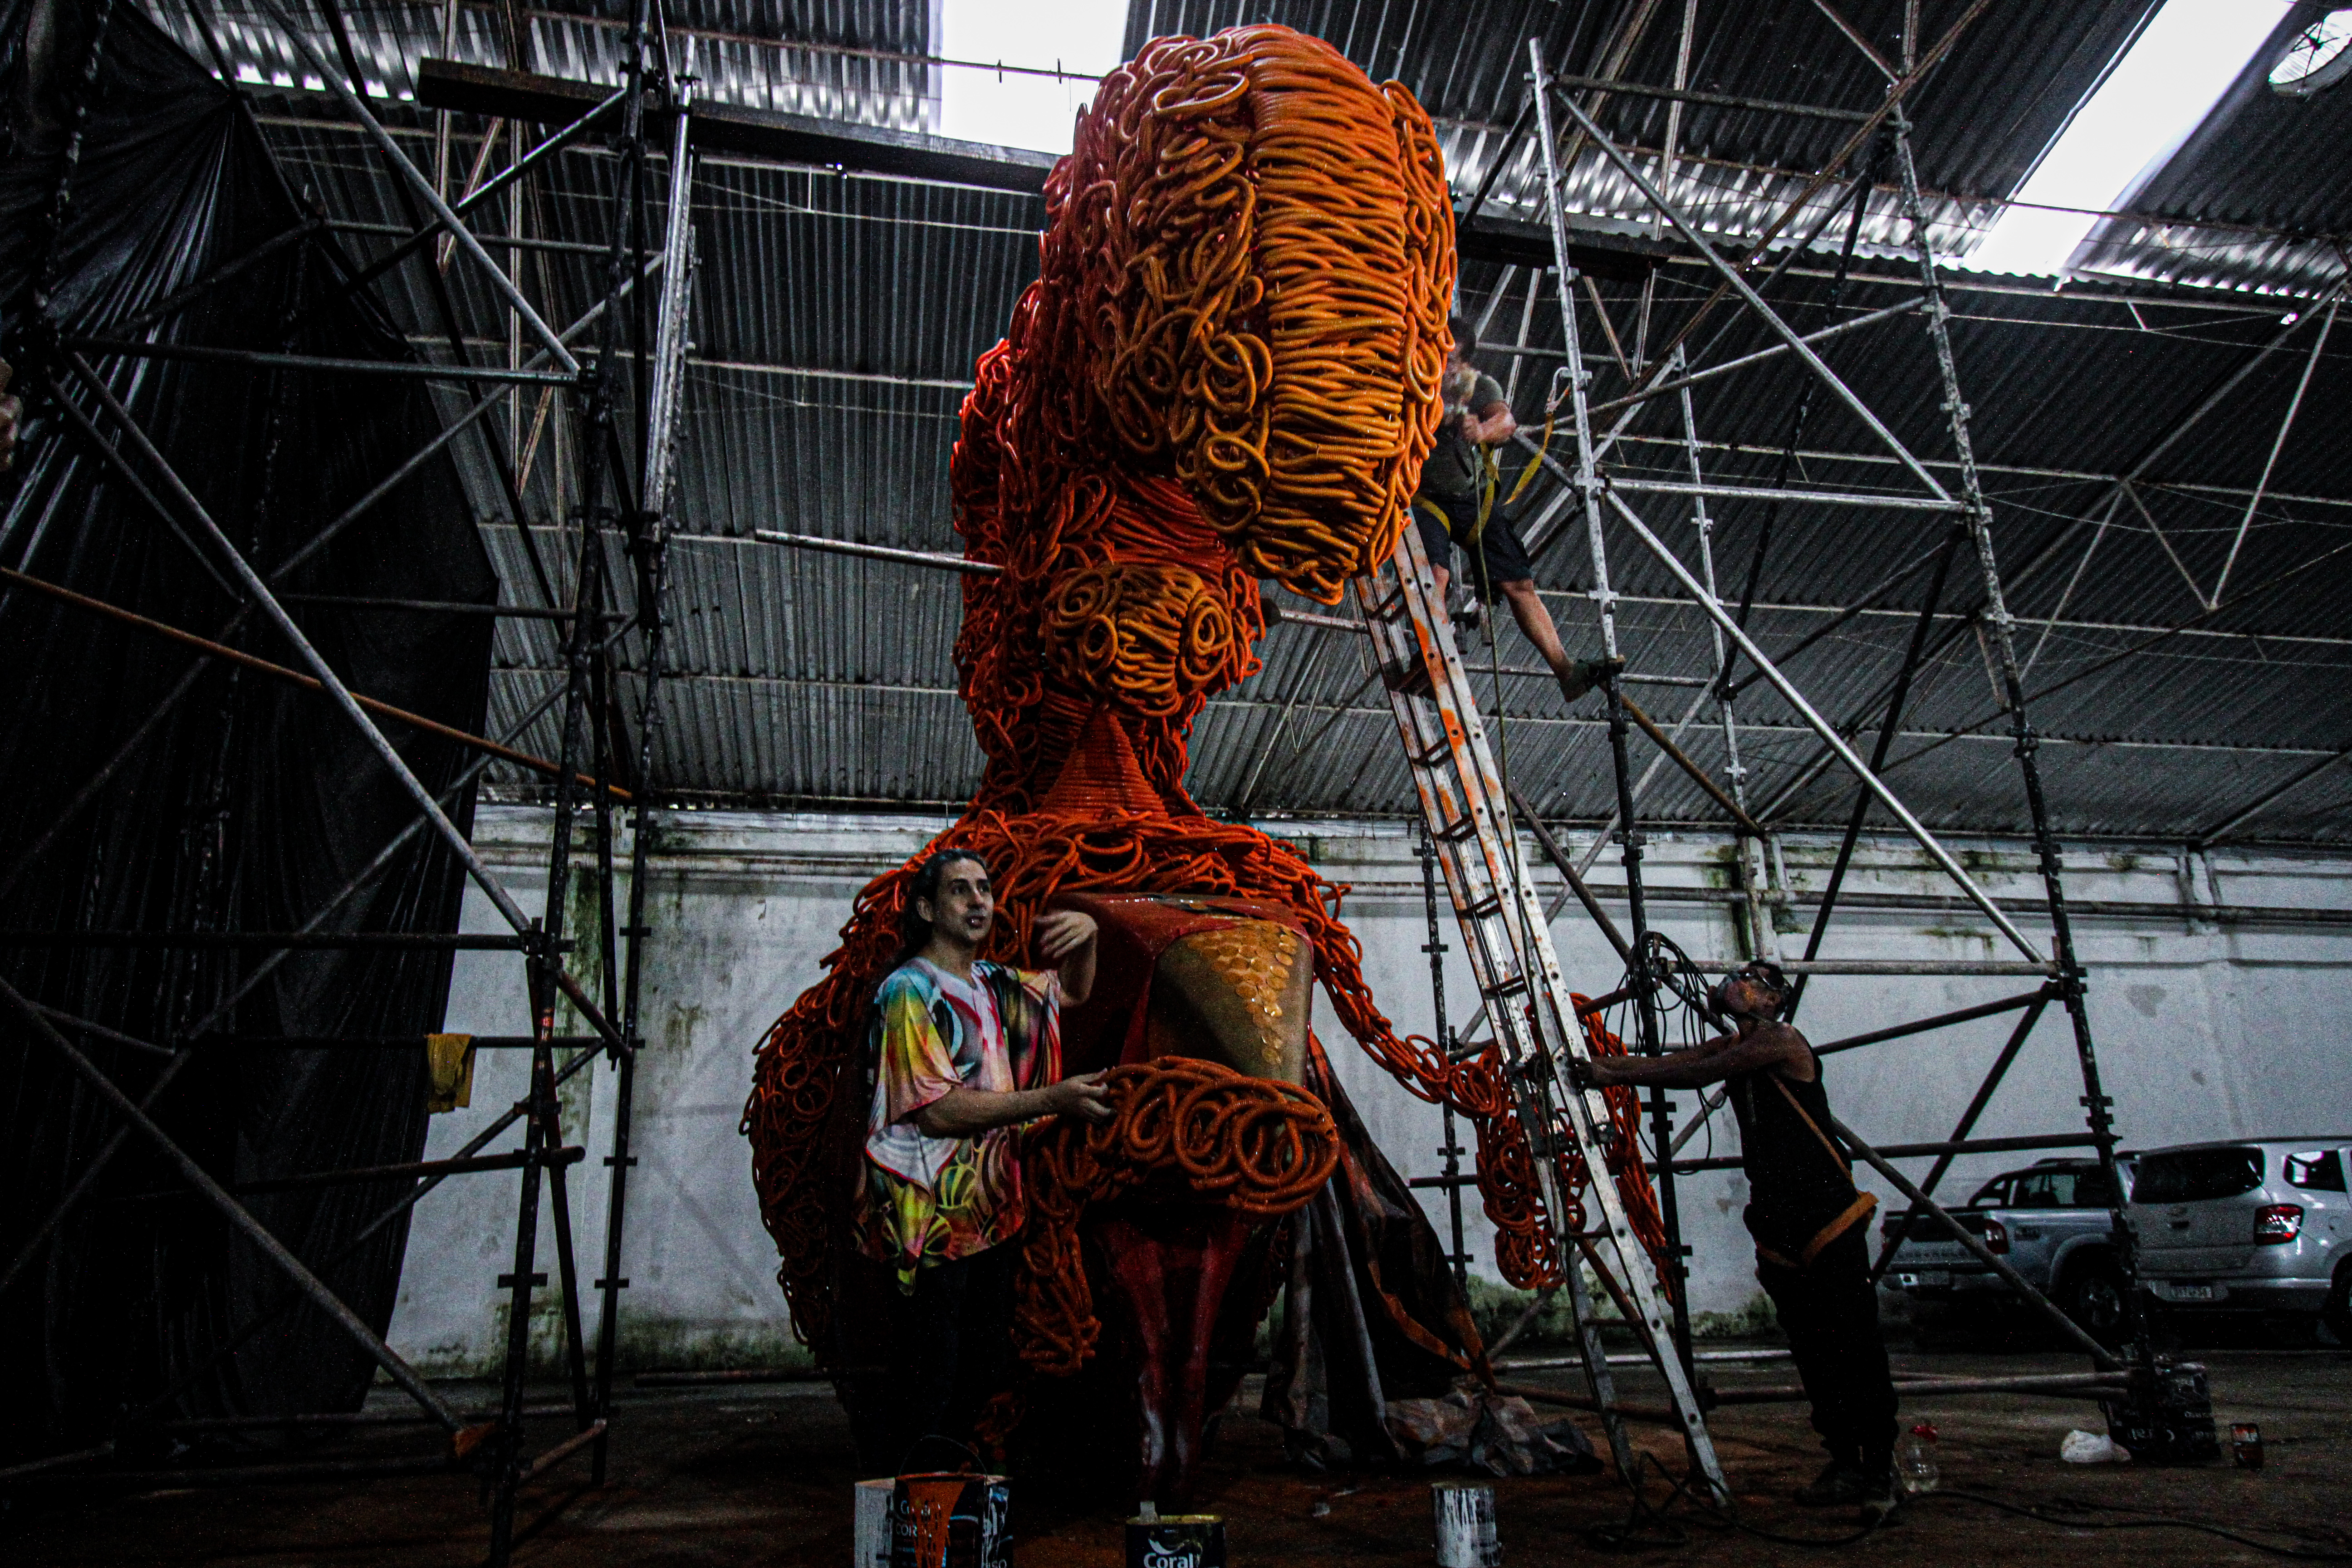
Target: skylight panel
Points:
(2159, 93)
(1013, 107)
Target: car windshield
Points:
(2192, 1176)
(2061, 1189)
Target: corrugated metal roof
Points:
(837, 319)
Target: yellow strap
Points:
(1527, 474)
(1858, 1209)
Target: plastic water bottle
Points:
(1915, 1465)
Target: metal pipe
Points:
(1938, 1021)
(85, 1182)
(1560, 862)
(82, 426)
(417, 240)
(436, 606)
(2278, 445)
(222, 651)
(409, 1171)
(1672, 1357)
(257, 359)
(1759, 245)
(1755, 301)
(1887, 966)
(2099, 1354)
(1714, 790)
(181, 298)
(329, 681)
(359, 1240)
(449, 433)
(377, 1042)
(405, 170)
(383, 1355)
(462, 941)
(65, 1020)
(1719, 99)
(1726, 367)
(2100, 1385)
(1821, 727)
(2095, 1101)
(934, 558)
(1888, 730)
(1967, 1124)
(1944, 1147)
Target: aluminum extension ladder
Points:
(1518, 974)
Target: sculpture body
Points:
(1227, 371)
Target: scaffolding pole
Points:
(594, 624)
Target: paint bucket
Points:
(951, 1522)
(1176, 1541)
(869, 1536)
(1464, 1512)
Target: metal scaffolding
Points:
(1657, 975)
(621, 405)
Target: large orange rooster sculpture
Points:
(1227, 372)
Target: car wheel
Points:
(2094, 1297)
(2337, 1314)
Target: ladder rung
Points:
(1456, 831)
(1510, 986)
(1442, 752)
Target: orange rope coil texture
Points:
(1227, 369)
(1257, 1146)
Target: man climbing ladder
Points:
(1460, 503)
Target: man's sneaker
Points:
(1840, 1485)
(1880, 1497)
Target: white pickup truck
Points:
(2052, 1222)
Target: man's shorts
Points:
(1505, 558)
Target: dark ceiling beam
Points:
(754, 132)
(871, 149)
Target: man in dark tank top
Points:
(1808, 1222)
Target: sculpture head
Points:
(1228, 370)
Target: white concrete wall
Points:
(2202, 1032)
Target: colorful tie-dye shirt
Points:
(925, 1200)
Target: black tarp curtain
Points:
(252, 802)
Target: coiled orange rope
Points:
(1257, 1146)
(1633, 1188)
(1227, 368)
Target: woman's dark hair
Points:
(914, 930)
(1465, 336)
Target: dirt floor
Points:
(761, 1474)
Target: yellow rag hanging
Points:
(449, 1072)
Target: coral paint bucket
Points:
(951, 1522)
(1176, 1541)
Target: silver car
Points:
(2253, 1226)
